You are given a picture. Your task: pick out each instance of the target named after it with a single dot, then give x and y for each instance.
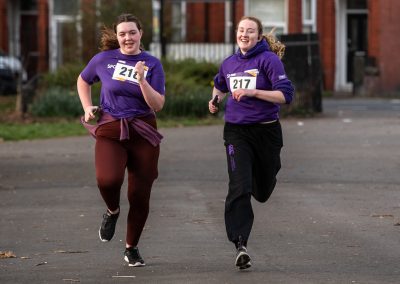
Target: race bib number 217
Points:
(242, 82)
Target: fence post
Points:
(20, 105)
(358, 72)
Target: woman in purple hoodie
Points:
(257, 84)
(132, 90)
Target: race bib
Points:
(242, 82)
(128, 73)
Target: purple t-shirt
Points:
(120, 93)
(260, 69)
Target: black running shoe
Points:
(107, 229)
(132, 256)
(243, 260)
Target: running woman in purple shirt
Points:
(132, 90)
(257, 84)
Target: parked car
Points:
(10, 71)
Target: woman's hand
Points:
(213, 104)
(153, 98)
(217, 97)
(139, 67)
(90, 112)
(239, 93)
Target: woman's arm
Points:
(85, 95)
(153, 98)
(270, 96)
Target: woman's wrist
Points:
(141, 80)
(88, 108)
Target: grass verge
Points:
(10, 131)
(13, 128)
(40, 130)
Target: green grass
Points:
(40, 130)
(11, 130)
(65, 128)
(188, 121)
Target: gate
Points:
(303, 66)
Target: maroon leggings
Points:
(140, 158)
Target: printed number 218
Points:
(125, 70)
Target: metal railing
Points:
(210, 52)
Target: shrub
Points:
(191, 104)
(201, 73)
(65, 77)
(57, 95)
(188, 90)
(57, 102)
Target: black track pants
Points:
(253, 156)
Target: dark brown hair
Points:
(109, 39)
(275, 45)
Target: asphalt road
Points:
(334, 217)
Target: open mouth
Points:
(129, 44)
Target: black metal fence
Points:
(303, 66)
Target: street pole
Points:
(233, 19)
(163, 40)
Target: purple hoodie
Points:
(260, 69)
(120, 93)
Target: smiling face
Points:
(129, 36)
(247, 35)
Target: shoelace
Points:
(240, 242)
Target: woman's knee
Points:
(109, 181)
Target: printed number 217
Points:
(241, 83)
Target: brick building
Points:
(45, 34)
(24, 32)
(350, 32)
(354, 34)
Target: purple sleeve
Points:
(277, 75)
(220, 82)
(157, 80)
(89, 73)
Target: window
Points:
(272, 13)
(357, 4)
(28, 5)
(178, 22)
(65, 32)
(309, 18)
(66, 8)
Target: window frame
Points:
(312, 21)
(267, 25)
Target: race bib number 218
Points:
(125, 72)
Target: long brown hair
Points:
(275, 45)
(109, 39)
